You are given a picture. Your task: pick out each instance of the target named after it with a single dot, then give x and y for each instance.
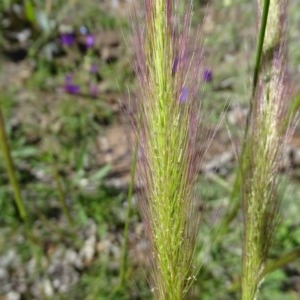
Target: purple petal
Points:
(71, 88)
(67, 39)
(207, 75)
(90, 41)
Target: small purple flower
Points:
(184, 94)
(72, 89)
(207, 75)
(67, 39)
(69, 86)
(89, 41)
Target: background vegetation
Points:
(66, 83)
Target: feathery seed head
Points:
(262, 154)
(168, 74)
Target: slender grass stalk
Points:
(261, 155)
(260, 44)
(168, 82)
(10, 168)
(62, 196)
(272, 266)
(282, 261)
(124, 255)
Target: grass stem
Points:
(62, 197)
(260, 45)
(124, 251)
(10, 168)
(282, 261)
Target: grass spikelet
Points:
(168, 80)
(263, 148)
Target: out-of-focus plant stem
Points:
(62, 196)
(282, 261)
(10, 168)
(49, 4)
(272, 266)
(124, 251)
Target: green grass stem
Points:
(260, 45)
(62, 197)
(272, 266)
(281, 261)
(10, 168)
(124, 250)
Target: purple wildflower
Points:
(69, 86)
(207, 75)
(89, 41)
(71, 89)
(67, 39)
